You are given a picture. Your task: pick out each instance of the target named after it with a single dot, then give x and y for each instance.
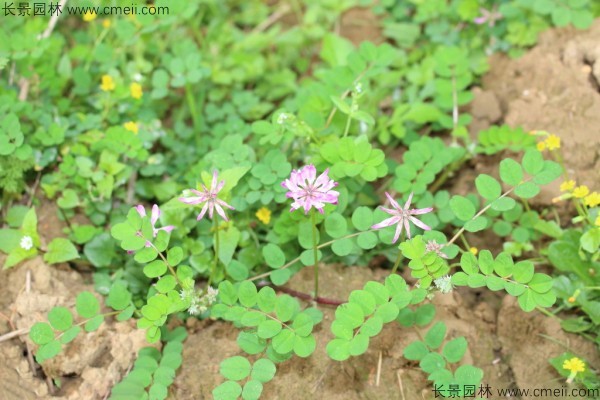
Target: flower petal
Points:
(201, 215)
(221, 212)
(407, 204)
(420, 224)
(191, 200)
(393, 202)
(141, 210)
(155, 214)
(418, 211)
(387, 222)
(398, 232)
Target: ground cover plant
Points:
(201, 159)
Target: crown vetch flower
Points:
(155, 214)
(308, 190)
(209, 198)
(402, 216)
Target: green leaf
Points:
(477, 224)
(367, 240)
(388, 311)
(227, 293)
(229, 240)
(283, 342)
(304, 346)
(533, 162)
(251, 343)
(87, 305)
(267, 299)
(228, 390)
(527, 190)
(362, 218)
(550, 171)
(455, 349)
(175, 255)
(274, 256)
(511, 172)
(488, 187)
(468, 263)
(60, 250)
(146, 255)
(359, 344)
(503, 204)
(94, 323)
(48, 351)
(540, 283)
(302, 325)
(336, 225)
(523, 271)
(462, 207)
(247, 294)
(155, 269)
(432, 362)
(435, 336)
(252, 390)
(503, 265)
(41, 333)
(286, 307)
(70, 334)
(263, 370)
(364, 299)
(268, 328)
(338, 349)
(527, 301)
(235, 368)
(60, 318)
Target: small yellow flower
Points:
(571, 299)
(574, 365)
(106, 23)
(541, 146)
(581, 191)
(89, 16)
(592, 199)
(108, 83)
(553, 142)
(136, 90)
(264, 215)
(567, 186)
(474, 250)
(131, 127)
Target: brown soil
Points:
(554, 87)
(512, 348)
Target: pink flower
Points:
(209, 198)
(153, 219)
(309, 191)
(401, 216)
(488, 16)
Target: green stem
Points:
(213, 272)
(397, 263)
(348, 121)
(192, 106)
(295, 260)
(315, 251)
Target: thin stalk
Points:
(192, 106)
(295, 260)
(315, 251)
(397, 263)
(213, 272)
(347, 128)
(483, 210)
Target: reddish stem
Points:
(301, 295)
